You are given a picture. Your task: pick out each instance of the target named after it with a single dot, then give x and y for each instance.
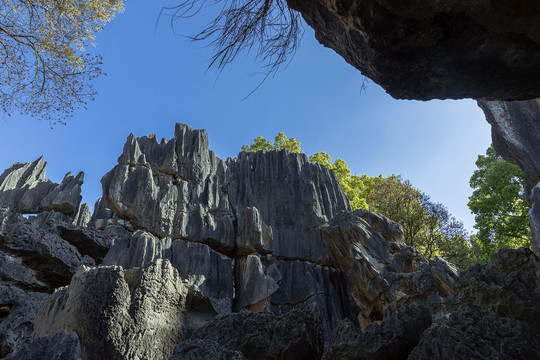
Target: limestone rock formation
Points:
(289, 195)
(172, 189)
(264, 283)
(508, 286)
(467, 336)
(24, 189)
(190, 257)
(197, 263)
(204, 350)
(295, 335)
(394, 338)
(62, 346)
(515, 130)
(38, 255)
(120, 314)
(380, 272)
(442, 49)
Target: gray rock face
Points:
(265, 336)
(287, 193)
(259, 203)
(120, 314)
(18, 308)
(172, 189)
(442, 49)
(210, 271)
(24, 189)
(264, 283)
(204, 350)
(515, 130)
(62, 346)
(36, 257)
(380, 272)
(472, 337)
(508, 286)
(393, 339)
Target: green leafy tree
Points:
(44, 69)
(281, 142)
(498, 203)
(356, 188)
(400, 201)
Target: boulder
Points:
(442, 49)
(380, 272)
(204, 350)
(508, 286)
(122, 314)
(296, 334)
(18, 308)
(62, 346)
(197, 263)
(472, 337)
(265, 283)
(35, 259)
(394, 338)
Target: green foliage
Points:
(280, 143)
(498, 202)
(356, 188)
(45, 70)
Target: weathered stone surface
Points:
(120, 314)
(210, 271)
(82, 215)
(18, 308)
(264, 283)
(87, 241)
(204, 350)
(381, 272)
(23, 186)
(442, 49)
(66, 197)
(515, 131)
(62, 346)
(472, 337)
(393, 339)
(292, 196)
(24, 189)
(172, 189)
(41, 248)
(34, 260)
(264, 336)
(508, 286)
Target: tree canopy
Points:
(498, 203)
(45, 71)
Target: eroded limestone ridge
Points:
(443, 49)
(188, 256)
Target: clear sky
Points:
(156, 78)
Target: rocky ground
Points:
(187, 256)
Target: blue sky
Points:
(156, 78)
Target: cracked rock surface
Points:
(187, 256)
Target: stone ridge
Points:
(266, 203)
(444, 49)
(24, 189)
(259, 257)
